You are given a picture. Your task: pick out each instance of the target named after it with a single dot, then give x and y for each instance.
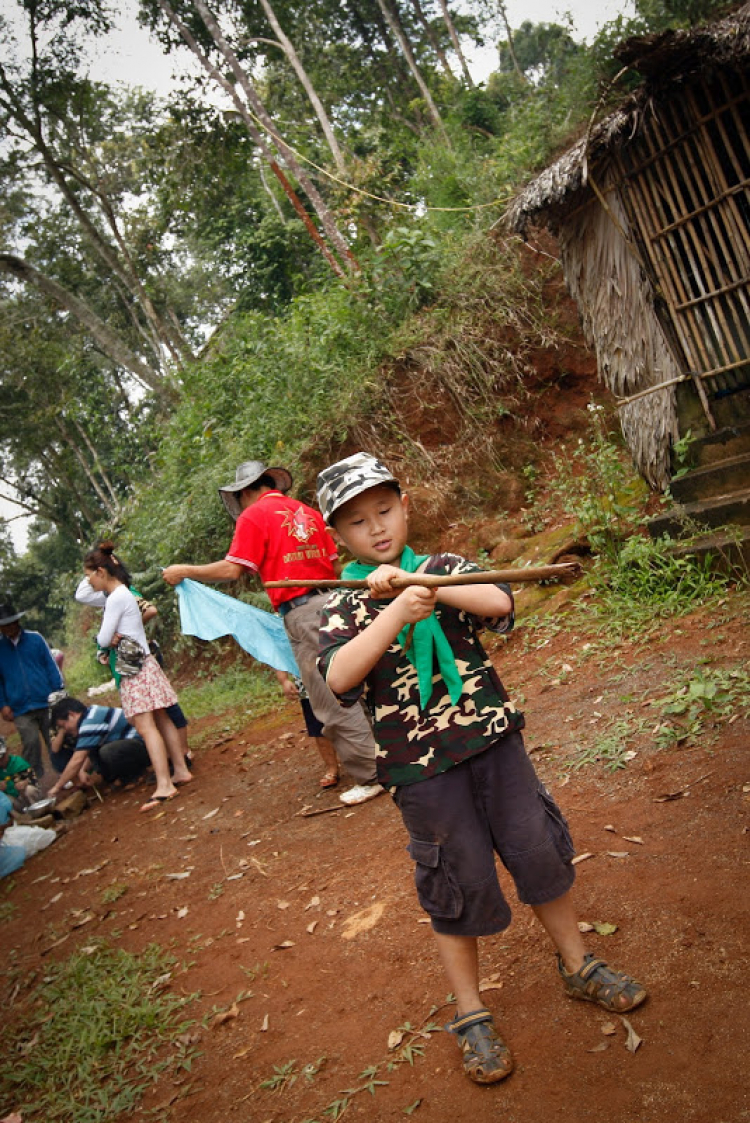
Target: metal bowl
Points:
(40, 808)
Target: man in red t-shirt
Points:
(280, 539)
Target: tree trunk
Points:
(108, 254)
(106, 504)
(454, 40)
(309, 89)
(109, 341)
(391, 17)
(432, 38)
(322, 211)
(255, 133)
(509, 38)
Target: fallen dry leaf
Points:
(282, 904)
(489, 986)
(584, 926)
(283, 946)
(604, 928)
(226, 1016)
(182, 913)
(599, 1048)
(266, 1023)
(176, 876)
(362, 921)
(609, 827)
(633, 838)
(51, 901)
(633, 1040)
(84, 920)
(609, 1029)
(312, 903)
(618, 854)
(311, 927)
(581, 858)
(211, 814)
(395, 1037)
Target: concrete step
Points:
(722, 477)
(718, 511)
(733, 440)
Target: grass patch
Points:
(250, 690)
(97, 1032)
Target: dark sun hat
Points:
(8, 614)
(246, 475)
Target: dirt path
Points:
(317, 919)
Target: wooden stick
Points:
(438, 580)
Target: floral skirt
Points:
(147, 691)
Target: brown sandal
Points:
(486, 1057)
(329, 780)
(596, 981)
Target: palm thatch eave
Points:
(666, 61)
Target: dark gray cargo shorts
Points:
(457, 821)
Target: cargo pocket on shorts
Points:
(558, 825)
(438, 893)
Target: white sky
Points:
(131, 56)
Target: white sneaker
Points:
(360, 793)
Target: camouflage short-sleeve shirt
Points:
(416, 743)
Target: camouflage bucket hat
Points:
(350, 477)
(246, 475)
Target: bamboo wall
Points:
(686, 186)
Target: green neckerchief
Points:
(429, 638)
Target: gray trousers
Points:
(30, 727)
(347, 728)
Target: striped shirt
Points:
(101, 724)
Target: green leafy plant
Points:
(611, 749)
(113, 893)
(122, 1031)
(711, 696)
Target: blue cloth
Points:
(6, 806)
(28, 673)
(210, 615)
(11, 857)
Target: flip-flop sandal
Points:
(486, 1057)
(156, 801)
(330, 780)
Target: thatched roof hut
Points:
(651, 209)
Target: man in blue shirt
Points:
(105, 743)
(28, 675)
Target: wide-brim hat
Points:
(347, 478)
(8, 614)
(245, 476)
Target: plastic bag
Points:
(31, 839)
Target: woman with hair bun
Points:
(146, 694)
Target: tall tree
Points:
(392, 18)
(256, 118)
(307, 85)
(456, 42)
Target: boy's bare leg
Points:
(597, 981)
(460, 960)
(486, 1058)
(559, 919)
(329, 758)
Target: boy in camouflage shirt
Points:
(450, 752)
